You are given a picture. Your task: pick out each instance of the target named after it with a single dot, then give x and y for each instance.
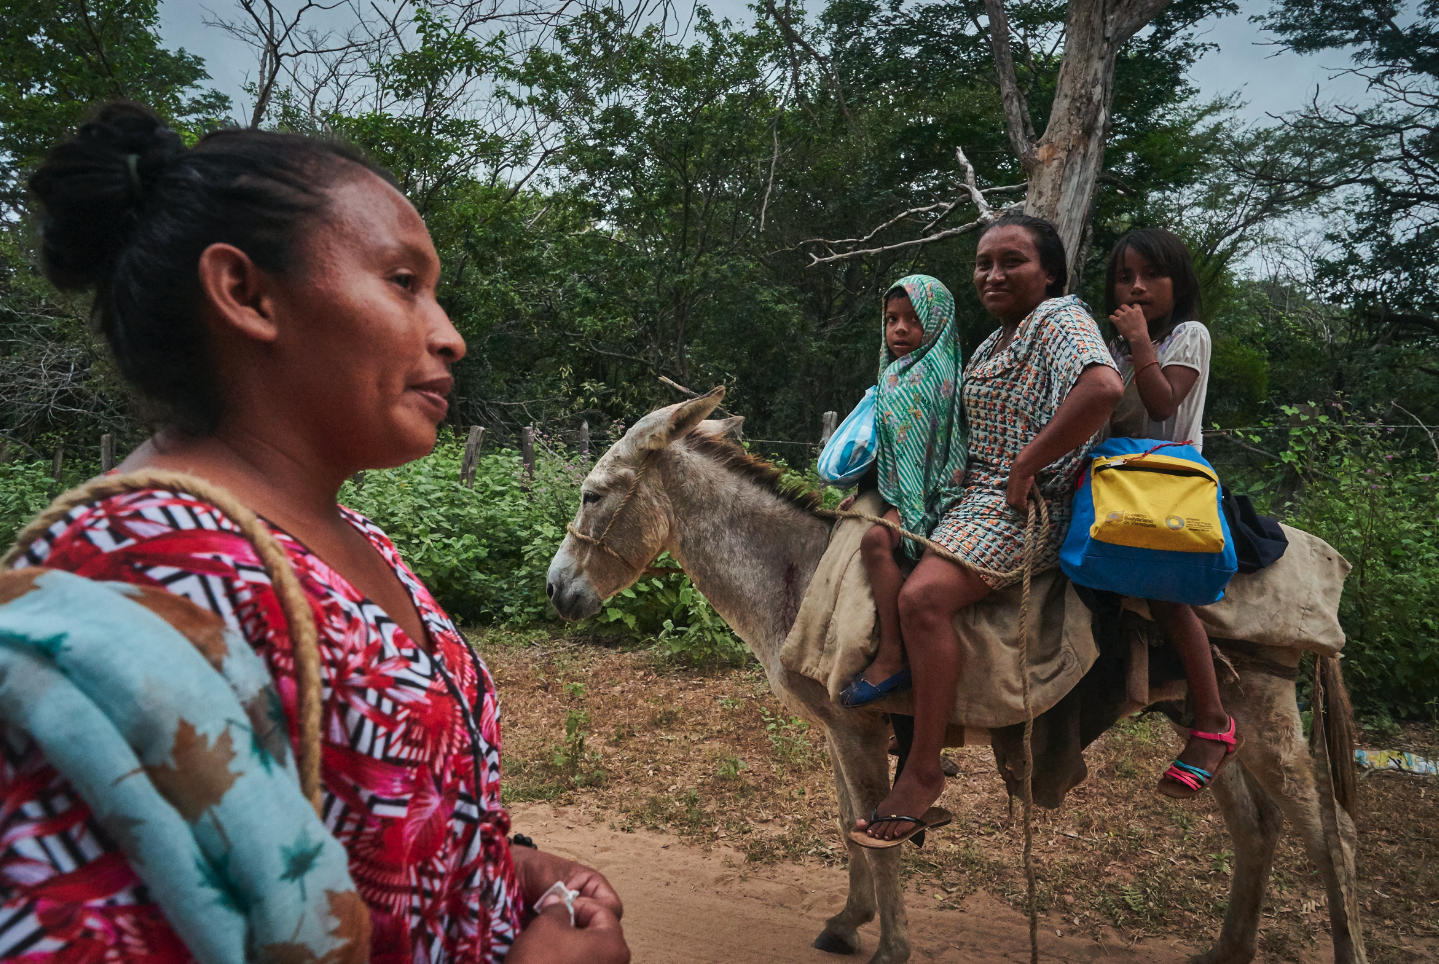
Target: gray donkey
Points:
(678, 482)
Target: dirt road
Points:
(683, 904)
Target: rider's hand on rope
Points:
(1017, 491)
(538, 871)
(848, 503)
(595, 937)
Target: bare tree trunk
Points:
(1062, 166)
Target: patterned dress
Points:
(1010, 395)
(411, 757)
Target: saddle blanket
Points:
(836, 635)
(1292, 604)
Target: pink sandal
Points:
(1182, 781)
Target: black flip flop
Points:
(933, 818)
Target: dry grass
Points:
(710, 756)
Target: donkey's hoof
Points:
(832, 943)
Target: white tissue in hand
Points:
(558, 892)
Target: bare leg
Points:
(1189, 638)
(931, 596)
(877, 550)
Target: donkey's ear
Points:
(729, 428)
(681, 419)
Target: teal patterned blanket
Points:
(169, 728)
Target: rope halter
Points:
(602, 542)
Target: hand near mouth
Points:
(1132, 324)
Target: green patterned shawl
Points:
(922, 442)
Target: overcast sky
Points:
(1245, 63)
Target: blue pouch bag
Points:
(853, 447)
(1148, 523)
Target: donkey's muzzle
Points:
(569, 590)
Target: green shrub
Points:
(484, 552)
(1372, 492)
(24, 492)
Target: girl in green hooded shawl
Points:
(922, 451)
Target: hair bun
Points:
(93, 187)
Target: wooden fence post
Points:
(830, 423)
(107, 452)
(527, 450)
(471, 461)
(56, 465)
(585, 440)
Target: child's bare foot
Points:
(917, 790)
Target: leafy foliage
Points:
(24, 492)
(58, 57)
(1371, 491)
(484, 551)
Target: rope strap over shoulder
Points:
(304, 639)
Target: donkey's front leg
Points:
(861, 769)
(1254, 821)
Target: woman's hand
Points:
(1130, 321)
(1016, 491)
(1082, 413)
(595, 938)
(844, 506)
(538, 872)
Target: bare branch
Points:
(1427, 430)
(970, 187)
(793, 38)
(1016, 109)
(952, 232)
(1130, 16)
(773, 161)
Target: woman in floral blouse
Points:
(1036, 393)
(272, 298)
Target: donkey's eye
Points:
(590, 498)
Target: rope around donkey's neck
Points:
(293, 603)
(1036, 531)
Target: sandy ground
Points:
(683, 904)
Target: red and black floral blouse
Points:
(411, 758)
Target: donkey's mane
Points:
(731, 455)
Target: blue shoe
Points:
(862, 692)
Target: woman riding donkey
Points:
(1036, 394)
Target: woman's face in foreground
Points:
(367, 349)
(1007, 274)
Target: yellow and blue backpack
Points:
(1148, 523)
